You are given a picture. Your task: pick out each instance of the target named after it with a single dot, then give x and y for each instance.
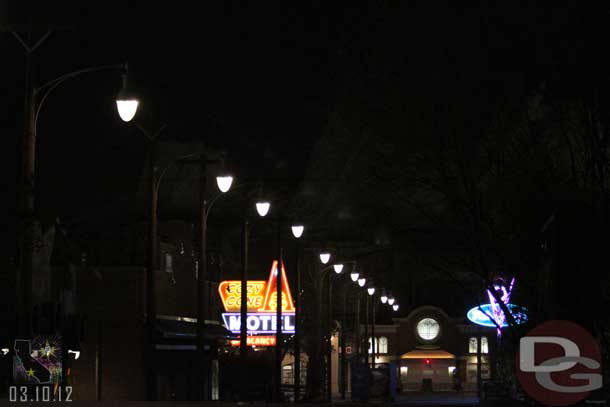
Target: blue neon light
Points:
(477, 315)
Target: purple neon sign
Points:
(492, 314)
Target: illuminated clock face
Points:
(428, 329)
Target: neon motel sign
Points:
(262, 303)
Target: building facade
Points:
(433, 350)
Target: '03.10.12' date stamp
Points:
(34, 394)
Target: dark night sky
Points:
(269, 72)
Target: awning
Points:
(186, 329)
(427, 354)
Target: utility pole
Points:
(27, 192)
(297, 333)
(243, 332)
(278, 332)
(330, 346)
(202, 303)
(151, 312)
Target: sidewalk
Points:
(436, 399)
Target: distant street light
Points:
(224, 182)
(324, 257)
(338, 268)
(354, 276)
(361, 281)
(371, 290)
(384, 299)
(395, 307)
(391, 300)
(263, 208)
(297, 231)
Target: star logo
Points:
(30, 372)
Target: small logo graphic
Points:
(558, 363)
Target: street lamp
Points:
(324, 257)
(126, 102)
(384, 299)
(361, 281)
(224, 182)
(297, 230)
(338, 268)
(262, 207)
(371, 290)
(354, 275)
(391, 300)
(35, 98)
(395, 307)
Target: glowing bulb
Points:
(395, 307)
(338, 268)
(384, 299)
(297, 231)
(4, 351)
(391, 300)
(224, 182)
(324, 257)
(263, 208)
(371, 290)
(127, 108)
(361, 281)
(354, 276)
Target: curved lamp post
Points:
(35, 98)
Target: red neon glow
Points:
(270, 297)
(256, 341)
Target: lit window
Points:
(451, 369)
(472, 345)
(484, 345)
(371, 346)
(383, 344)
(168, 263)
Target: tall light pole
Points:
(153, 201)
(297, 232)
(224, 183)
(33, 102)
(371, 291)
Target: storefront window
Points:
(287, 374)
(383, 345)
(484, 345)
(472, 345)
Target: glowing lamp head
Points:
(126, 102)
(297, 231)
(338, 268)
(325, 257)
(354, 276)
(224, 182)
(395, 307)
(127, 108)
(262, 207)
(371, 290)
(361, 281)
(391, 300)
(384, 299)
